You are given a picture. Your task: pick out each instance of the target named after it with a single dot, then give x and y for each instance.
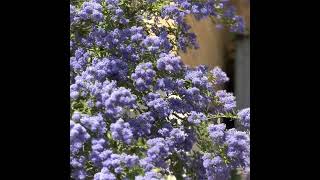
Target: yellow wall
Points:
(213, 43)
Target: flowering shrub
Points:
(137, 111)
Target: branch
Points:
(177, 116)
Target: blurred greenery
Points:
(236, 175)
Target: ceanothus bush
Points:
(137, 111)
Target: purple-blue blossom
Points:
(226, 99)
(244, 117)
(76, 116)
(217, 133)
(158, 105)
(79, 174)
(169, 63)
(215, 167)
(104, 174)
(150, 175)
(152, 43)
(110, 68)
(91, 10)
(199, 77)
(95, 124)
(157, 153)
(219, 76)
(98, 147)
(78, 136)
(142, 124)
(118, 100)
(136, 107)
(79, 61)
(238, 151)
(196, 117)
(121, 131)
(143, 76)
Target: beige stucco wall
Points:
(213, 43)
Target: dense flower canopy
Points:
(137, 111)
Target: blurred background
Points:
(228, 50)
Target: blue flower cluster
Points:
(215, 167)
(78, 136)
(121, 131)
(227, 100)
(169, 63)
(157, 104)
(137, 111)
(143, 76)
(216, 132)
(237, 149)
(199, 77)
(196, 118)
(244, 118)
(142, 124)
(219, 76)
(91, 11)
(80, 60)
